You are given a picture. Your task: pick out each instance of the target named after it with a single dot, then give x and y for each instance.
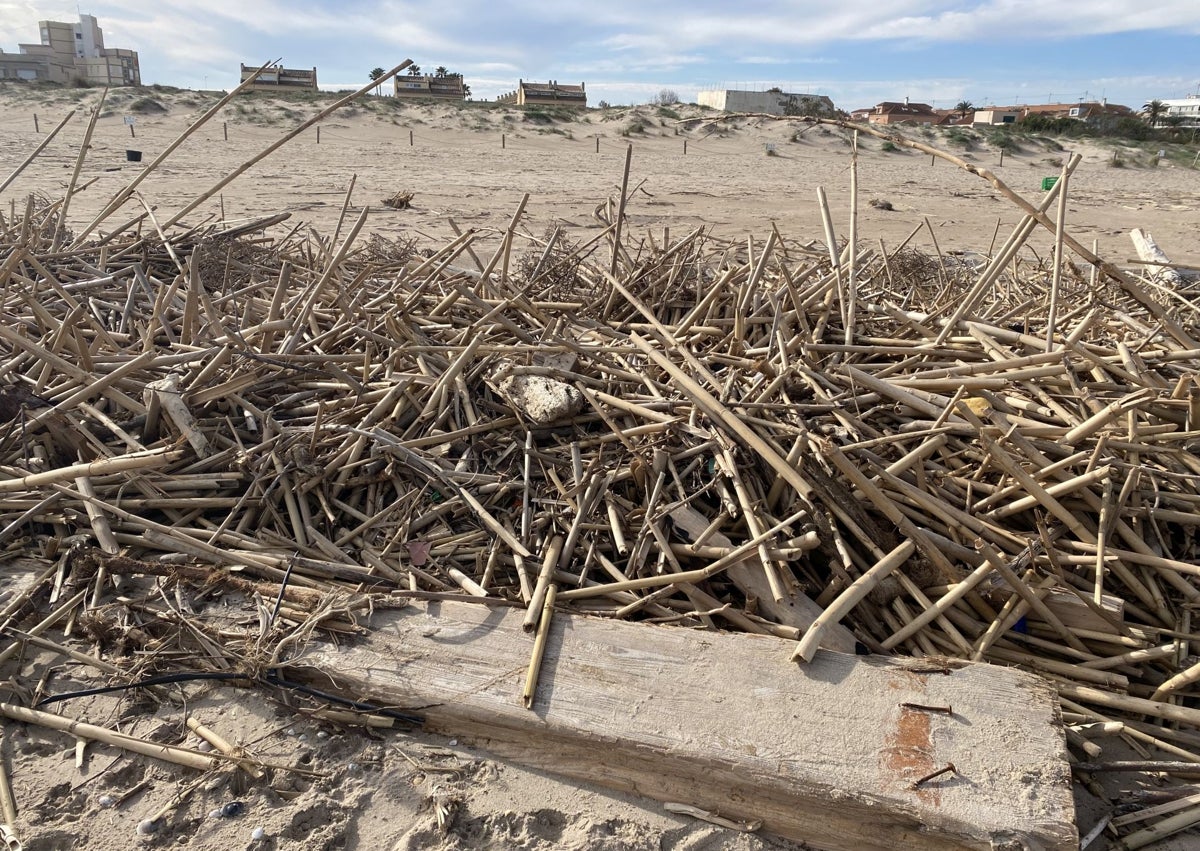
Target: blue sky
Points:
(857, 52)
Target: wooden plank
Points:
(1075, 613)
(827, 753)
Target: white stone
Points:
(543, 400)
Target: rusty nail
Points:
(944, 710)
(949, 769)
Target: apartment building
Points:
(69, 53)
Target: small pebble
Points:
(214, 813)
(321, 734)
(453, 742)
(259, 833)
(107, 801)
(290, 731)
(147, 827)
(303, 737)
(352, 766)
(204, 746)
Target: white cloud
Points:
(658, 64)
(1039, 19)
(778, 60)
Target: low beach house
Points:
(430, 86)
(276, 78)
(552, 93)
(894, 112)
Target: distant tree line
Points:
(1153, 122)
(1126, 126)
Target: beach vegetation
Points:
(1002, 140)
(960, 138)
(1154, 111)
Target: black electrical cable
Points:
(146, 683)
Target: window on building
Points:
(79, 36)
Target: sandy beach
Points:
(471, 168)
(472, 165)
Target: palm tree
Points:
(963, 107)
(414, 70)
(376, 73)
(1154, 111)
(441, 71)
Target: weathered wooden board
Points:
(826, 752)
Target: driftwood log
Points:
(832, 753)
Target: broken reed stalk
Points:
(732, 557)
(167, 753)
(620, 221)
(539, 648)
(550, 559)
(221, 744)
(92, 469)
(8, 803)
(942, 605)
(851, 597)
(74, 181)
(1056, 277)
(1167, 808)
(1161, 830)
(62, 611)
(1005, 256)
(34, 155)
(852, 247)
